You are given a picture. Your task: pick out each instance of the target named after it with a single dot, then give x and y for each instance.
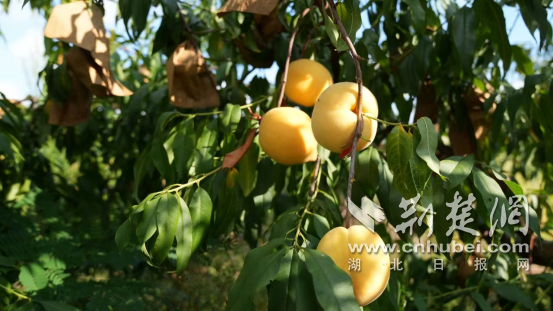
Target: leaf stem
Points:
(190, 183)
(11, 291)
(388, 123)
(543, 294)
(359, 107)
(457, 291)
(212, 113)
(312, 195)
(290, 48)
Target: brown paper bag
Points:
(190, 83)
(263, 7)
(76, 109)
(82, 26)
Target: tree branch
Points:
(190, 32)
(290, 48)
(359, 76)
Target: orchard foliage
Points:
(175, 185)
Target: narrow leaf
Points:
(167, 219)
(230, 118)
(147, 226)
(247, 169)
(184, 237)
(200, 211)
(206, 147)
(123, 234)
(456, 169)
(261, 266)
(333, 286)
(399, 147)
(490, 14)
(514, 293)
(464, 37)
(56, 306)
(428, 144)
(184, 147)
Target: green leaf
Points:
(456, 169)
(140, 168)
(419, 302)
(140, 10)
(333, 33)
(524, 64)
(481, 301)
(428, 144)
(462, 29)
(534, 222)
(123, 234)
(399, 147)
(284, 223)
(332, 285)
(261, 266)
(441, 224)
(418, 14)
(158, 152)
(206, 146)
(167, 219)
(200, 211)
(534, 15)
(490, 190)
(147, 226)
(419, 169)
(183, 147)
(184, 237)
(292, 288)
(33, 277)
(366, 172)
(56, 306)
(350, 15)
(279, 297)
(321, 225)
(514, 293)
(230, 118)
(491, 16)
(247, 169)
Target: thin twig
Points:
(309, 38)
(359, 76)
(190, 32)
(193, 182)
(290, 48)
(315, 176)
(388, 123)
(312, 196)
(211, 113)
(11, 291)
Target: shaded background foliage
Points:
(66, 190)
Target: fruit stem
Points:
(11, 291)
(290, 48)
(359, 107)
(388, 123)
(312, 196)
(211, 113)
(195, 181)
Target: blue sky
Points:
(22, 48)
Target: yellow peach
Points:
(334, 118)
(286, 137)
(370, 281)
(307, 79)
